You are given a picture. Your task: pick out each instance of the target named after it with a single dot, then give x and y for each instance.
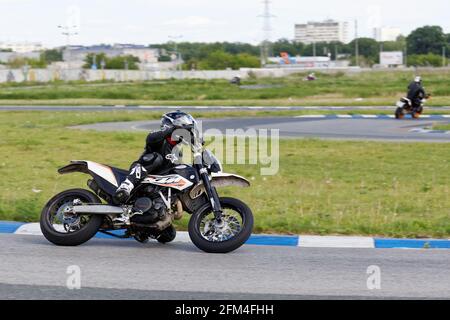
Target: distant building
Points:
(6, 57)
(301, 62)
(326, 31)
(78, 53)
(386, 34)
(22, 47)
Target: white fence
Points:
(48, 75)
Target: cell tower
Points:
(267, 29)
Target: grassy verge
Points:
(441, 126)
(323, 187)
(366, 89)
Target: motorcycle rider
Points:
(158, 153)
(416, 93)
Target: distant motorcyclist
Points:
(416, 93)
(236, 80)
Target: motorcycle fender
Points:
(91, 168)
(74, 166)
(220, 180)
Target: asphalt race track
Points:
(331, 127)
(32, 268)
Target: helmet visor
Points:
(184, 121)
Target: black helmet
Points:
(178, 119)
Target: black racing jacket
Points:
(416, 92)
(158, 142)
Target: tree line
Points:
(425, 46)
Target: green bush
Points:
(20, 62)
(220, 60)
(113, 63)
(425, 60)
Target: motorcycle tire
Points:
(228, 245)
(71, 238)
(399, 114)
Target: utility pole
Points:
(68, 31)
(267, 28)
(406, 53)
(356, 44)
(314, 49)
(444, 56)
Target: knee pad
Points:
(152, 161)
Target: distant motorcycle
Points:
(405, 106)
(311, 77)
(236, 80)
(217, 224)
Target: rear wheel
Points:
(228, 235)
(64, 228)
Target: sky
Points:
(150, 21)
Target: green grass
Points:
(323, 187)
(368, 88)
(441, 126)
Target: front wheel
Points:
(63, 228)
(399, 113)
(228, 235)
(417, 113)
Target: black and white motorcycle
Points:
(405, 106)
(217, 224)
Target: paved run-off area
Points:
(32, 268)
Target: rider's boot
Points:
(137, 173)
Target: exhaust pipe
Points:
(98, 209)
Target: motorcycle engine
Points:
(153, 210)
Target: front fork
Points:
(211, 192)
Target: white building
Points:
(78, 53)
(386, 34)
(326, 31)
(22, 47)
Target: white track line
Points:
(369, 116)
(311, 116)
(29, 229)
(335, 242)
(344, 116)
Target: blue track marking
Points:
(9, 226)
(107, 236)
(411, 244)
(289, 241)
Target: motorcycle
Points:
(217, 224)
(405, 106)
